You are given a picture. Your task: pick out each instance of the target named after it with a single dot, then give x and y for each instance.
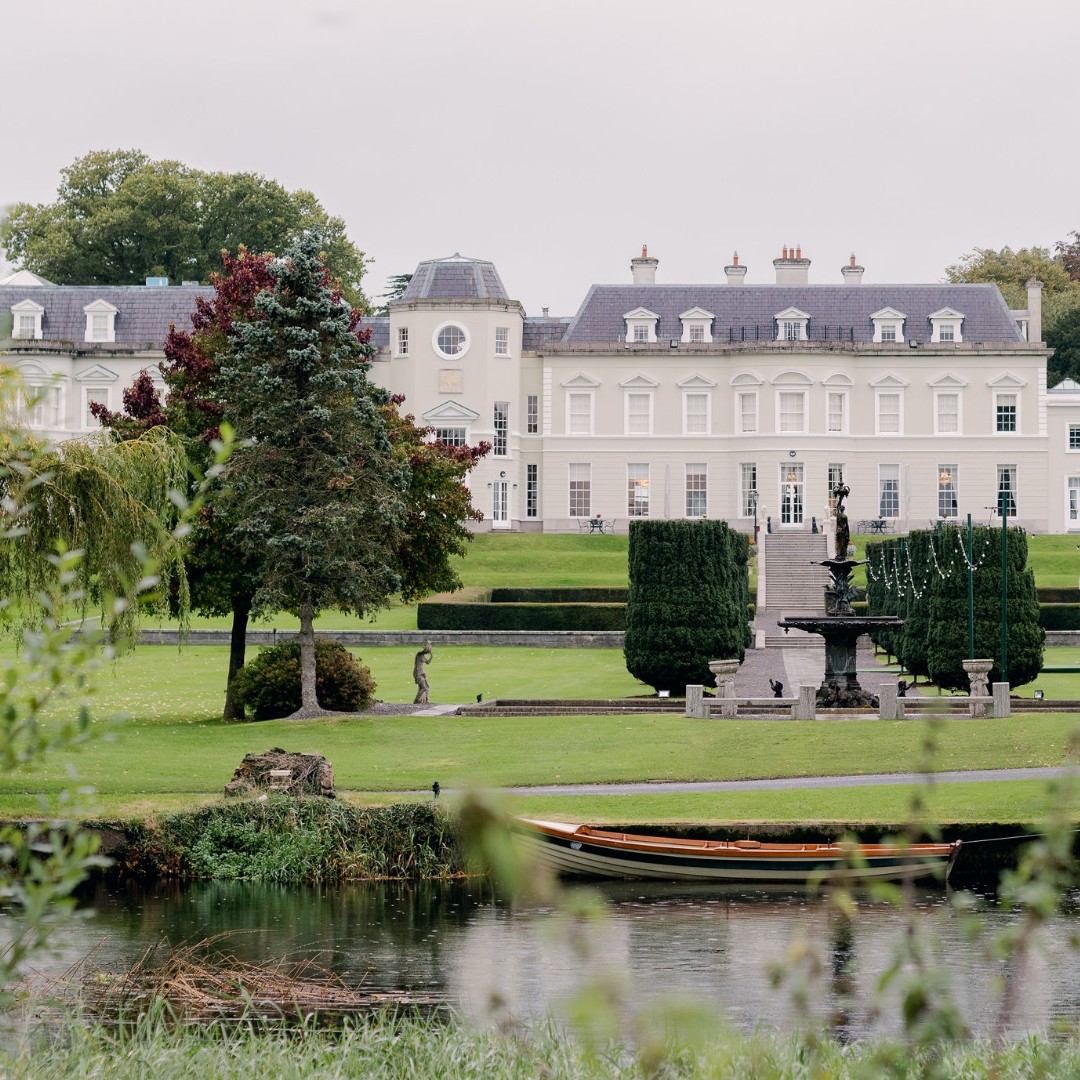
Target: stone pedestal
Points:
(978, 672)
(724, 671)
(695, 702)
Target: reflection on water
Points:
(713, 944)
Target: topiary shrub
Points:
(689, 600)
(269, 686)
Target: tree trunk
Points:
(237, 647)
(309, 702)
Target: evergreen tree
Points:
(688, 602)
(318, 488)
(947, 633)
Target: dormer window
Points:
(791, 325)
(697, 326)
(946, 326)
(26, 319)
(888, 326)
(100, 321)
(641, 325)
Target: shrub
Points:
(689, 597)
(269, 686)
(509, 616)
(1059, 616)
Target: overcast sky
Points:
(556, 137)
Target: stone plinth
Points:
(978, 672)
(724, 671)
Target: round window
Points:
(451, 341)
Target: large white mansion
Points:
(659, 400)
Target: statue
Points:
(777, 688)
(843, 532)
(420, 676)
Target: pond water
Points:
(492, 961)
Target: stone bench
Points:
(698, 706)
(980, 706)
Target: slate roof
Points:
(143, 316)
(456, 277)
(987, 319)
(539, 331)
(380, 330)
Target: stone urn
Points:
(978, 672)
(724, 672)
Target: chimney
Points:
(852, 272)
(545, 311)
(791, 267)
(1034, 299)
(644, 268)
(735, 272)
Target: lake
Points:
(494, 961)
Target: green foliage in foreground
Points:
(284, 839)
(667, 1043)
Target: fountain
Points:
(840, 626)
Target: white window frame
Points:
(700, 320)
(792, 325)
(644, 320)
(637, 489)
(946, 317)
(463, 347)
(742, 397)
(500, 434)
(27, 309)
(748, 481)
(502, 340)
(800, 394)
(705, 416)
(402, 338)
(532, 414)
(939, 396)
(589, 397)
(97, 392)
(842, 396)
(100, 313)
(884, 478)
(39, 400)
(584, 477)
(1072, 502)
(1013, 393)
(629, 415)
(1073, 444)
(888, 319)
(459, 435)
(1012, 474)
(948, 488)
(891, 391)
(695, 469)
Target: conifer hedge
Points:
(922, 578)
(689, 601)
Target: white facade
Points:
(662, 400)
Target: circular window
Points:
(451, 341)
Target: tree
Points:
(120, 217)
(1011, 270)
(689, 601)
(317, 485)
(395, 290)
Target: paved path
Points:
(705, 787)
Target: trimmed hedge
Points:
(923, 579)
(1058, 596)
(564, 595)
(689, 597)
(587, 617)
(1059, 616)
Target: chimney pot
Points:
(798, 251)
(735, 273)
(643, 268)
(853, 272)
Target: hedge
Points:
(565, 595)
(587, 617)
(1059, 616)
(689, 597)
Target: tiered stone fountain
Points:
(840, 626)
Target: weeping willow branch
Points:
(111, 501)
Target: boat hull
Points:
(580, 851)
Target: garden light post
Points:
(1003, 499)
(751, 501)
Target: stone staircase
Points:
(793, 585)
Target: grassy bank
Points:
(677, 1043)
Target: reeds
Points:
(297, 840)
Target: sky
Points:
(556, 138)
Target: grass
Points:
(678, 1038)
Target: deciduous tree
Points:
(120, 217)
(318, 487)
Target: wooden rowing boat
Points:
(581, 851)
